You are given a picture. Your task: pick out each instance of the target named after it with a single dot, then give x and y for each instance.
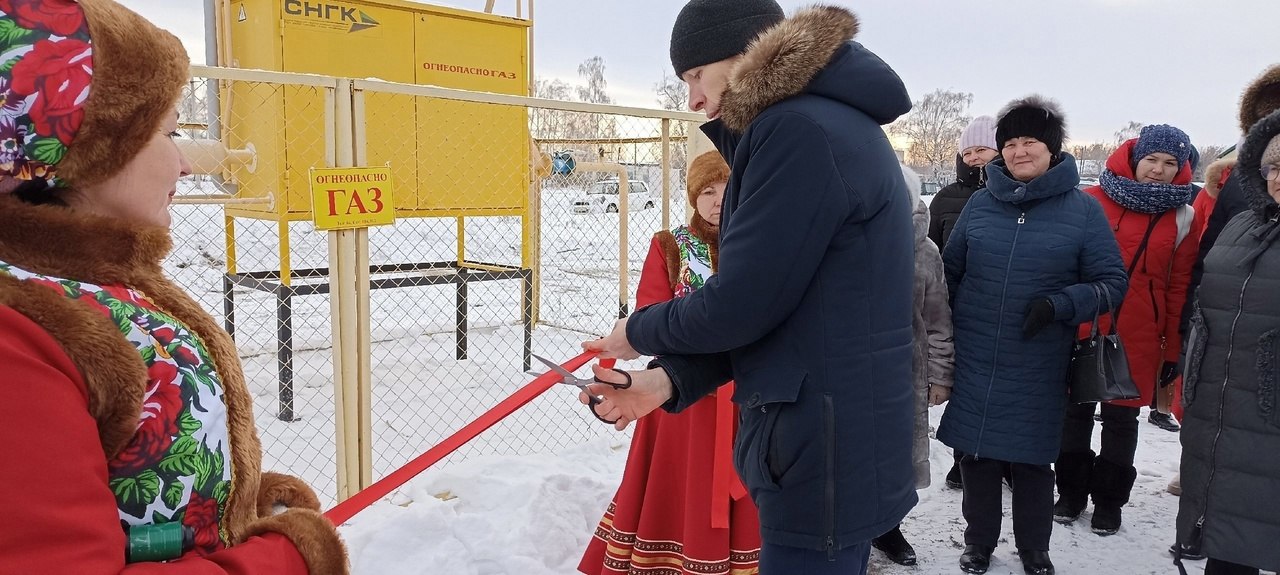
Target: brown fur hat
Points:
(707, 169)
(1261, 98)
(88, 96)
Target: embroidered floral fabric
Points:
(46, 66)
(695, 261)
(177, 467)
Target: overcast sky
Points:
(1182, 62)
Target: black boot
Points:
(895, 546)
(976, 558)
(1035, 562)
(1189, 551)
(1163, 421)
(954, 480)
(1110, 487)
(1073, 472)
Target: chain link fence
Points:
(496, 252)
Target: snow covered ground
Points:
(525, 496)
(533, 515)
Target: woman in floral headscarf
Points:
(123, 408)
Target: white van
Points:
(602, 198)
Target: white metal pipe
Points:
(211, 157)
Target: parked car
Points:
(1086, 183)
(602, 197)
(929, 188)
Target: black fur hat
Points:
(1033, 117)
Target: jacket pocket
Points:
(1196, 343)
(1267, 358)
(768, 418)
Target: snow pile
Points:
(533, 515)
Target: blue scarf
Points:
(1144, 198)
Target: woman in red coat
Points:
(1144, 192)
(125, 417)
(681, 506)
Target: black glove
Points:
(1168, 373)
(1039, 315)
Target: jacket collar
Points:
(1250, 164)
(62, 242)
(1061, 178)
(782, 61)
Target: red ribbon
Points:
(726, 486)
(344, 511)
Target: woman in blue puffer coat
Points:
(1025, 265)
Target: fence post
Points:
(349, 305)
(364, 380)
(666, 173)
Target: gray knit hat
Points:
(981, 131)
(708, 31)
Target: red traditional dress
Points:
(681, 508)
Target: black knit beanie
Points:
(1033, 117)
(708, 31)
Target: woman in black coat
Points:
(1230, 503)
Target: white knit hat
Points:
(980, 132)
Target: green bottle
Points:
(150, 543)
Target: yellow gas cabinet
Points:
(449, 159)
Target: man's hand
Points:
(614, 345)
(649, 390)
(938, 395)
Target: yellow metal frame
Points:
(346, 145)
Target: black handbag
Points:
(1099, 368)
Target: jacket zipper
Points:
(995, 359)
(829, 510)
(1222, 398)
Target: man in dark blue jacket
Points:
(810, 311)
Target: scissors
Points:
(568, 378)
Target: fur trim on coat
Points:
(60, 242)
(1215, 176)
(783, 60)
(1260, 99)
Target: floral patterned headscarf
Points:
(83, 86)
(46, 72)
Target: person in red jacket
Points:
(1144, 192)
(124, 413)
(681, 504)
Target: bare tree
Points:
(1207, 156)
(555, 124)
(673, 94)
(558, 124)
(933, 127)
(1092, 158)
(596, 91)
(1129, 132)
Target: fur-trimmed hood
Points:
(1216, 174)
(1260, 98)
(1250, 165)
(812, 52)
